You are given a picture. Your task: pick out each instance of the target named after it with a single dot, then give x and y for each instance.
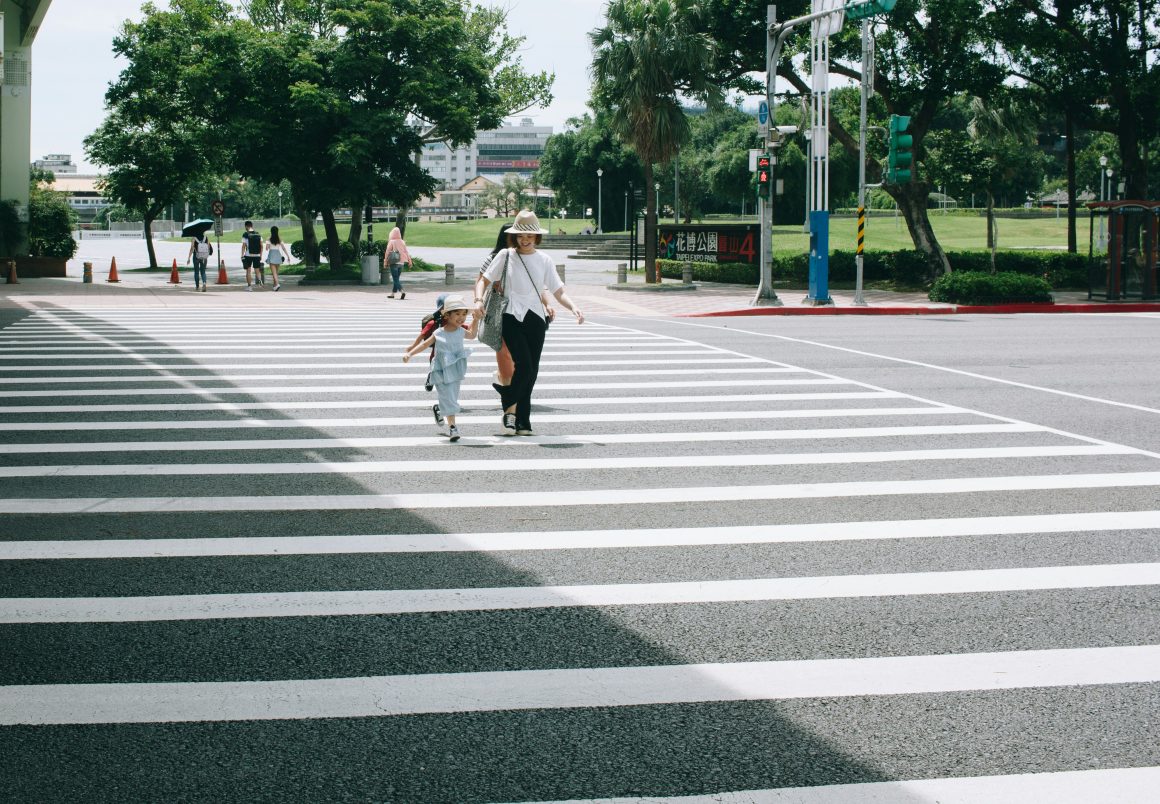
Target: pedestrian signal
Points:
(764, 172)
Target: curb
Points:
(953, 309)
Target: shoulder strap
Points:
(537, 288)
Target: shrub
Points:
(977, 287)
(50, 225)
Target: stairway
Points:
(589, 247)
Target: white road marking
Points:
(489, 419)
(583, 539)
(559, 464)
(584, 497)
(386, 696)
(249, 445)
(1118, 785)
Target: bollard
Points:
(687, 273)
(88, 273)
(11, 271)
(621, 273)
(560, 271)
(449, 276)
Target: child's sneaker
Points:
(453, 434)
(438, 415)
(427, 386)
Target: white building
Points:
(508, 149)
(57, 163)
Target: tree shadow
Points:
(678, 749)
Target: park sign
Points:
(712, 243)
(863, 9)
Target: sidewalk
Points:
(591, 284)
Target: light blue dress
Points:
(449, 368)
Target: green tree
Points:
(647, 57)
(50, 219)
(155, 140)
(570, 162)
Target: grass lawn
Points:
(884, 232)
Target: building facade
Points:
(508, 149)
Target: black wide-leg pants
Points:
(525, 341)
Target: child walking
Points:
(450, 364)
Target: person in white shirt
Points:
(531, 283)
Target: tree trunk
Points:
(1069, 130)
(911, 200)
(149, 241)
(310, 254)
(991, 223)
(333, 248)
(356, 218)
(652, 273)
(992, 240)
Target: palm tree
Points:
(649, 55)
(992, 128)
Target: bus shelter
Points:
(1127, 268)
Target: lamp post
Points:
(626, 210)
(1103, 165)
(279, 205)
(599, 198)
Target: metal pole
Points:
(599, 199)
(858, 298)
(775, 36)
(677, 188)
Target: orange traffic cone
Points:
(222, 278)
(12, 278)
(174, 279)
(113, 272)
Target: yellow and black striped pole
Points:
(861, 230)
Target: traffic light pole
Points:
(766, 295)
(859, 300)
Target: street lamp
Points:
(1103, 165)
(279, 205)
(626, 210)
(599, 199)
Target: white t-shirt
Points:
(521, 287)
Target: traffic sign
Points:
(218, 207)
(763, 113)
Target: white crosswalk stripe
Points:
(214, 519)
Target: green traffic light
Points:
(900, 156)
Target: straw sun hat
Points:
(527, 223)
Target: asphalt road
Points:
(765, 559)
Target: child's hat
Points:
(454, 302)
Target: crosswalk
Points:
(240, 562)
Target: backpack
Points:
(204, 248)
(253, 244)
(393, 258)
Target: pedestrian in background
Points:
(394, 258)
(503, 358)
(531, 277)
(252, 255)
(200, 250)
(450, 364)
(275, 255)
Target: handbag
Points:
(494, 306)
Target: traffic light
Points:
(898, 161)
(764, 172)
(861, 9)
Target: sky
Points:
(73, 63)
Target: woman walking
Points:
(394, 258)
(503, 358)
(531, 277)
(199, 250)
(275, 255)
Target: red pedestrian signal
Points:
(764, 172)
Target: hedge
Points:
(977, 287)
(1062, 271)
